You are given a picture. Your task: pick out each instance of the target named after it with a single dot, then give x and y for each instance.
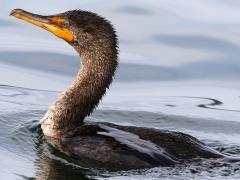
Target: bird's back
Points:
(111, 146)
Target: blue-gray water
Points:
(179, 70)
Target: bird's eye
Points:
(66, 23)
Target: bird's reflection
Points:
(50, 166)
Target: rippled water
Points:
(179, 70)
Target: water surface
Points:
(179, 70)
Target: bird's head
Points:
(82, 29)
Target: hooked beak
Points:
(54, 24)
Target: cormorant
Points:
(103, 144)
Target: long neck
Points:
(83, 95)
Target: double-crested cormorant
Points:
(103, 144)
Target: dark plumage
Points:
(103, 144)
(96, 42)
